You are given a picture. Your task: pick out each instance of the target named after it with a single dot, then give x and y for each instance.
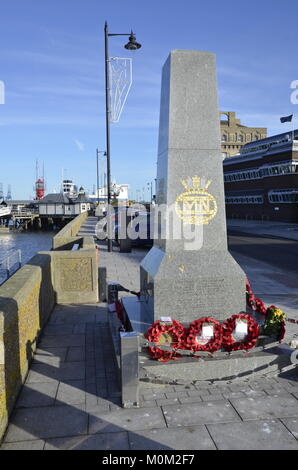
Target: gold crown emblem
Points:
(196, 206)
(194, 185)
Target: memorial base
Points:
(237, 365)
(191, 370)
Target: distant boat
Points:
(4, 211)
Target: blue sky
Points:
(52, 65)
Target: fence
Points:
(9, 265)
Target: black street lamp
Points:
(149, 185)
(132, 45)
(97, 171)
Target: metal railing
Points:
(24, 211)
(9, 265)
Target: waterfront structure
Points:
(39, 188)
(69, 188)
(4, 210)
(21, 206)
(235, 135)
(262, 182)
(62, 204)
(119, 191)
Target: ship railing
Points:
(10, 264)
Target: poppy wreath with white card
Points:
(204, 334)
(240, 332)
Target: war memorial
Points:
(193, 300)
(161, 369)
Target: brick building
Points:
(234, 135)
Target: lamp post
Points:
(97, 171)
(132, 45)
(149, 185)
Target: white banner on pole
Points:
(120, 83)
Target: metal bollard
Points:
(112, 292)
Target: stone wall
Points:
(75, 273)
(66, 237)
(29, 296)
(26, 301)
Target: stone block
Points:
(264, 408)
(75, 276)
(132, 419)
(202, 413)
(37, 444)
(252, 435)
(112, 441)
(186, 438)
(37, 394)
(71, 392)
(55, 421)
(292, 425)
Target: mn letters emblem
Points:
(196, 206)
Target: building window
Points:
(245, 199)
(283, 196)
(276, 169)
(224, 138)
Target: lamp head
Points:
(132, 45)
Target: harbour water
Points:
(28, 242)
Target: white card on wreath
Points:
(241, 327)
(207, 331)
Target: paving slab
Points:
(194, 399)
(187, 438)
(292, 425)
(58, 330)
(76, 354)
(266, 407)
(199, 413)
(62, 341)
(126, 419)
(46, 422)
(110, 441)
(45, 355)
(37, 394)
(252, 435)
(65, 371)
(37, 444)
(71, 392)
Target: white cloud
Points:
(79, 145)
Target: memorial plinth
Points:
(181, 277)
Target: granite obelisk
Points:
(179, 280)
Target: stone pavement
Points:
(71, 399)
